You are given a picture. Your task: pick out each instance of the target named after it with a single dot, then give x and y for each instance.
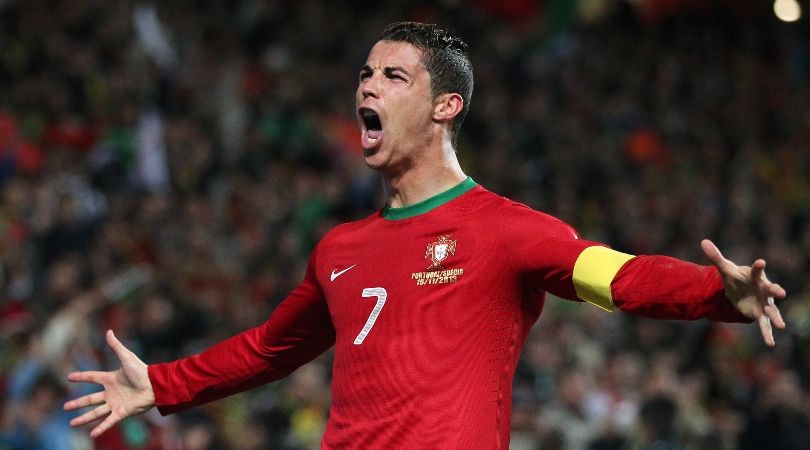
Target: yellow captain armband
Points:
(594, 271)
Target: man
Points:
(428, 302)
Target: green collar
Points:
(428, 204)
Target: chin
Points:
(374, 156)
(374, 163)
(378, 161)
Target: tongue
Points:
(374, 134)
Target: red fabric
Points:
(297, 332)
(662, 287)
(436, 368)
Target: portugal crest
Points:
(439, 250)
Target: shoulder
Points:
(350, 231)
(511, 216)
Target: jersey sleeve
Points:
(298, 330)
(542, 250)
(663, 287)
(547, 254)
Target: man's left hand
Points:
(749, 290)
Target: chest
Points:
(406, 283)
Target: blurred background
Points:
(166, 168)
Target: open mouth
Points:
(371, 124)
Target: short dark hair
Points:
(445, 58)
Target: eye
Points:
(364, 75)
(397, 76)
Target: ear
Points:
(447, 106)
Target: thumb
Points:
(715, 256)
(117, 347)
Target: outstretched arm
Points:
(299, 330)
(663, 287)
(552, 258)
(127, 391)
(749, 290)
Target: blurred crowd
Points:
(166, 168)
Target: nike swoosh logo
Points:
(337, 274)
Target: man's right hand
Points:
(127, 391)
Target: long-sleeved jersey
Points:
(428, 307)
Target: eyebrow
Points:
(390, 70)
(387, 70)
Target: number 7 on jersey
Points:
(381, 294)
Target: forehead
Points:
(394, 54)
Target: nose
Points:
(370, 86)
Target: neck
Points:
(423, 180)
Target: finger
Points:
(766, 330)
(715, 256)
(91, 416)
(90, 376)
(776, 290)
(774, 314)
(85, 401)
(104, 426)
(758, 270)
(117, 347)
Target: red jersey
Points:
(428, 307)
